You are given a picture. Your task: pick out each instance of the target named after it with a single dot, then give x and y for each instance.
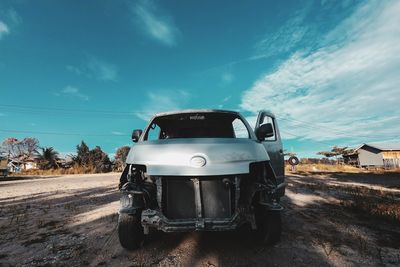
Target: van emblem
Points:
(198, 161)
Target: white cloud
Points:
(226, 98)
(74, 69)
(285, 38)
(348, 88)
(117, 133)
(74, 92)
(162, 101)
(227, 78)
(4, 30)
(102, 70)
(223, 102)
(13, 16)
(11, 19)
(95, 68)
(155, 24)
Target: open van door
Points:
(272, 142)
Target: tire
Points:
(293, 160)
(130, 232)
(269, 226)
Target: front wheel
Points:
(269, 226)
(130, 232)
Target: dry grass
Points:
(374, 203)
(60, 171)
(310, 168)
(367, 201)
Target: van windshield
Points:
(197, 125)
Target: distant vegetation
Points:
(47, 159)
(28, 156)
(336, 151)
(312, 166)
(94, 160)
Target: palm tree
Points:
(48, 158)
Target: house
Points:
(374, 155)
(66, 162)
(26, 162)
(3, 166)
(22, 162)
(14, 166)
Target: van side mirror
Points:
(136, 135)
(264, 131)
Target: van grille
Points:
(216, 194)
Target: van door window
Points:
(266, 120)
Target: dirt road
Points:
(71, 220)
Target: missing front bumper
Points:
(196, 204)
(153, 218)
(179, 204)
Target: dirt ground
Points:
(333, 219)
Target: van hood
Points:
(197, 156)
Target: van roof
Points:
(184, 111)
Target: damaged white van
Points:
(203, 170)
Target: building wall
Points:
(392, 163)
(391, 154)
(30, 165)
(391, 159)
(370, 157)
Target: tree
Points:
(12, 147)
(95, 158)
(82, 155)
(290, 154)
(26, 148)
(120, 157)
(30, 146)
(339, 150)
(99, 160)
(336, 151)
(327, 154)
(48, 158)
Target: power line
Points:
(107, 114)
(73, 116)
(312, 140)
(59, 133)
(73, 110)
(115, 135)
(339, 132)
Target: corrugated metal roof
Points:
(383, 146)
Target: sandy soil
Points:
(71, 220)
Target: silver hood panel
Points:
(223, 156)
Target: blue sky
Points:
(95, 70)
